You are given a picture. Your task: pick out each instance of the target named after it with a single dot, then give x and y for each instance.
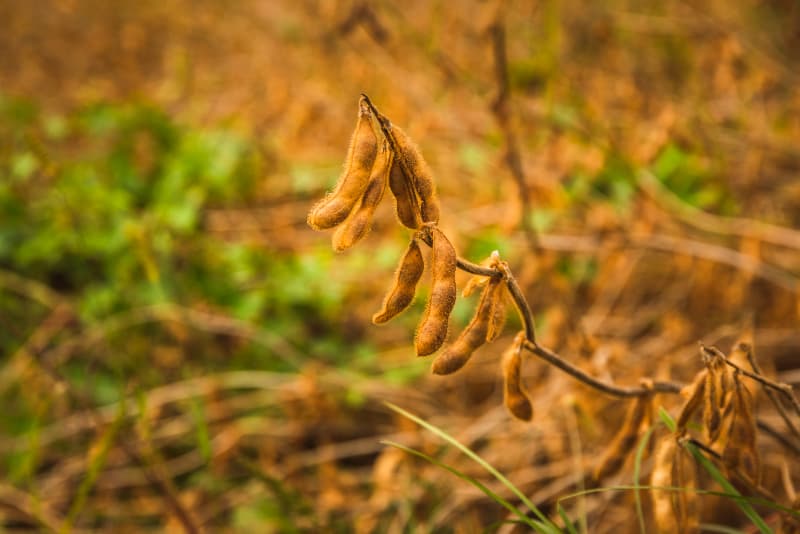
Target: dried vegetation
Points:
(633, 165)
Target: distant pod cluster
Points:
(391, 158)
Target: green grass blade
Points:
(98, 456)
(488, 492)
(565, 518)
(667, 419)
(197, 410)
(480, 461)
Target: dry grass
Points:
(634, 166)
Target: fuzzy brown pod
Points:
(514, 398)
(404, 288)
(498, 317)
(717, 391)
(406, 203)
(457, 354)
(432, 329)
(336, 206)
(421, 175)
(477, 281)
(359, 222)
(625, 439)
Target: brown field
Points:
(180, 351)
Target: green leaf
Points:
(567, 521)
(197, 408)
(24, 164)
(669, 160)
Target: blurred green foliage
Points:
(690, 178)
(107, 206)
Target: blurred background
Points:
(179, 351)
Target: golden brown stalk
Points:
(474, 335)
(513, 395)
(358, 224)
(336, 206)
(432, 329)
(404, 288)
(406, 203)
(422, 177)
(624, 440)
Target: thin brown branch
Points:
(751, 357)
(778, 436)
(521, 303)
(609, 389)
(783, 389)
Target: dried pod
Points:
(336, 206)
(695, 393)
(660, 478)
(422, 177)
(513, 396)
(456, 355)
(358, 224)
(740, 448)
(684, 502)
(498, 320)
(474, 283)
(406, 203)
(477, 281)
(717, 389)
(404, 288)
(623, 442)
(432, 329)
